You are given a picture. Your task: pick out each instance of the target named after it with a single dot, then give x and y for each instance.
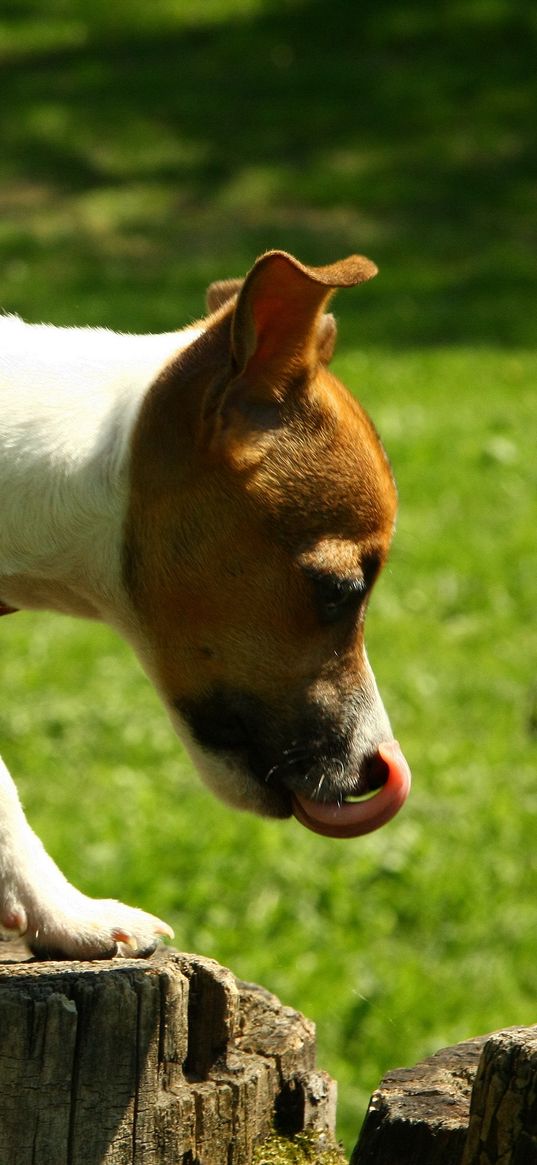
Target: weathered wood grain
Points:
(503, 1111)
(165, 1061)
(419, 1115)
(471, 1104)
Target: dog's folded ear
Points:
(280, 335)
(277, 327)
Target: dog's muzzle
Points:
(335, 778)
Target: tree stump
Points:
(165, 1061)
(419, 1115)
(503, 1111)
(471, 1104)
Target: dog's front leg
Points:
(55, 919)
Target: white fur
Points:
(68, 401)
(69, 398)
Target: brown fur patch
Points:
(215, 549)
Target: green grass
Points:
(146, 150)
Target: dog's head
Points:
(262, 509)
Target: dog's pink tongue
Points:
(352, 818)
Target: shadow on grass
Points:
(141, 160)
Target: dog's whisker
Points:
(295, 750)
(319, 785)
(272, 773)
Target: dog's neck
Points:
(69, 398)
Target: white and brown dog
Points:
(219, 498)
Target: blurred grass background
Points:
(148, 149)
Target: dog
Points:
(220, 499)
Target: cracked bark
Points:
(471, 1104)
(166, 1061)
(503, 1112)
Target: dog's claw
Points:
(94, 930)
(128, 940)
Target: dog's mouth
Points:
(305, 779)
(351, 816)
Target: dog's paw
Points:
(86, 928)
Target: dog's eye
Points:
(337, 596)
